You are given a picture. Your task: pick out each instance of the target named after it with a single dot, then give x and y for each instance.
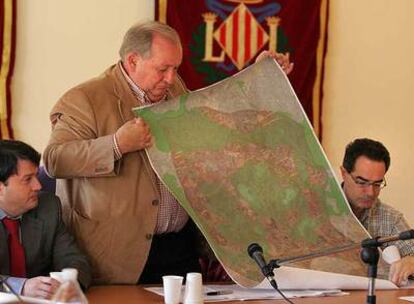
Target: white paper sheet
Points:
(235, 292)
(10, 298)
(296, 278)
(409, 299)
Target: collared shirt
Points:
(15, 283)
(384, 220)
(139, 93)
(171, 216)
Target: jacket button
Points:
(148, 236)
(155, 202)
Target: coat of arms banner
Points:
(221, 37)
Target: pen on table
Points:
(218, 292)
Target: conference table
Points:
(138, 295)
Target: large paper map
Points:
(242, 159)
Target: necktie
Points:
(16, 250)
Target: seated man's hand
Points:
(213, 271)
(40, 287)
(401, 270)
(282, 60)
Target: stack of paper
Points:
(235, 292)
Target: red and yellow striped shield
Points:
(241, 36)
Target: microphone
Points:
(377, 242)
(256, 253)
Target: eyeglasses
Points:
(366, 183)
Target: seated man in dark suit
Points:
(33, 239)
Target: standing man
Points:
(363, 171)
(33, 238)
(132, 228)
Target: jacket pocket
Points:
(95, 239)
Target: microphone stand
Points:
(273, 264)
(369, 255)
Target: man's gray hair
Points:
(139, 38)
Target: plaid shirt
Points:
(171, 216)
(384, 220)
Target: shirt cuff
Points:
(117, 152)
(16, 284)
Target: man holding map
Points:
(363, 171)
(131, 226)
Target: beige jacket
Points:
(110, 205)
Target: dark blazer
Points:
(47, 244)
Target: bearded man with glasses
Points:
(363, 172)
